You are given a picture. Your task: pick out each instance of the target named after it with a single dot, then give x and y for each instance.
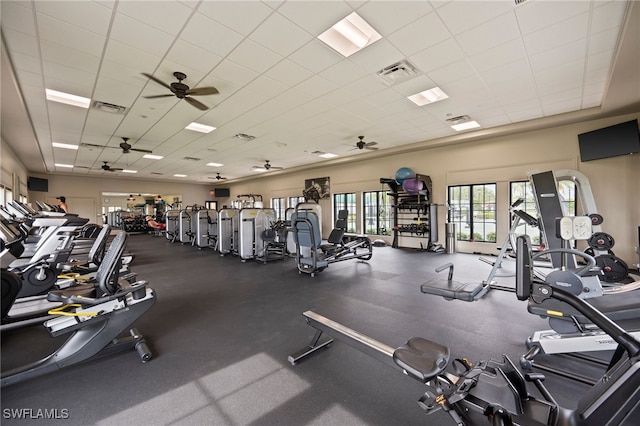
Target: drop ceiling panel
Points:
(141, 36)
(74, 37)
(20, 42)
(607, 16)
(169, 17)
(280, 35)
(377, 56)
(387, 17)
(491, 34)
(420, 34)
(315, 56)
(534, 15)
(56, 53)
(89, 15)
(288, 72)
(254, 56)
(463, 16)
(210, 35)
(438, 56)
(449, 74)
(131, 57)
(315, 16)
(242, 17)
(557, 35)
(498, 56)
(21, 17)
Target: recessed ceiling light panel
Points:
(215, 164)
(350, 35)
(66, 98)
(328, 155)
(64, 145)
(428, 96)
(64, 166)
(153, 156)
(465, 126)
(198, 127)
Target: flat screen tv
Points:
(37, 184)
(620, 139)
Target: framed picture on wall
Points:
(319, 185)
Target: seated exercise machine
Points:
(206, 231)
(228, 231)
(497, 391)
(172, 226)
(95, 315)
(312, 256)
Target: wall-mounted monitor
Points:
(37, 184)
(221, 192)
(612, 141)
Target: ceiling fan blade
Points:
(157, 80)
(201, 91)
(371, 148)
(91, 145)
(147, 151)
(158, 96)
(368, 144)
(197, 104)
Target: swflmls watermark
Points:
(35, 413)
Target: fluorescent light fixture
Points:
(65, 166)
(64, 145)
(129, 171)
(259, 169)
(153, 157)
(328, 155)
(465, 126)
(179, 175)
(428, 96)
(215, 164)
(350, 35)
(202, 128)
(66, 98)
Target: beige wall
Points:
(614, 181)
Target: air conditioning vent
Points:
(519, 2)
(110, 108)
(400, 71)
(155, 173)
(244, 137)
(191, 158)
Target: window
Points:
(522, 190)
(278, 205)
(294, 201)
(377, 213)
(473, 210)
(346, 201)
(567, 195)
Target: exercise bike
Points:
(496, 392)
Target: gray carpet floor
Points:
(222, 329)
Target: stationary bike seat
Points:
(422, 359)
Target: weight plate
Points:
(601, 241)
(590, 252)
(613, 268)
(596, 219)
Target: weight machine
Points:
(228, 231)
(496, 391)
(206, 232)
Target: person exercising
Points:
(151, 223)
(62, 204)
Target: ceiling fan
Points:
(217, 177)
(182, 91)
(106, 167)
(361, 144)
(124, 145)
(266, 167)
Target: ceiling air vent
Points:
(110, 108)
(519, 2)
(397, 72)
(191, 158)
(155, 173)
(457, 120)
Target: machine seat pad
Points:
(422, 359)
(82, 290)
(452, 289)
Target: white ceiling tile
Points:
(56, 31)
(241, 16)
(315, 56)
(535, 15)
(607, 16)
(266, 86)
(115, 92)
(500, 55)
(438, 56)
(233, 73)
(490, 34)
(140, 35)
(280, 35)
(557, 35)
(525, 114)
(564, 76)
(20, 42)
(365, 86)
(183, 52)
(131, 57)
(17, 16)
(459, 16)
(27, 62)
(317, 86)
(315, 16)
(420, 34)
(167, 16)
(414, 85)
(210, 35)
(87, 15)
(377, 56)
(288, 73)
(52, 52)
(254, 56)
(603, 41)
(452, 72)
(560, 107)
(389, 16)
(516, 70)
(343, 73)
(574, 51)
(63, 73)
